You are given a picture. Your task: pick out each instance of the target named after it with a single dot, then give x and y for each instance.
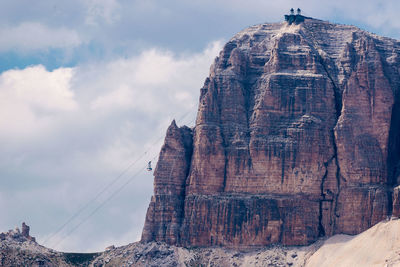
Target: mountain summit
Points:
(297, 137)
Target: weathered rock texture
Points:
(18, 248)
(17, 235)
(297, 136)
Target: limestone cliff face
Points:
(297, 136)
(165, 212)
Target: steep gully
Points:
(338, 108)
(393, 157)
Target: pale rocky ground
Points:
(160, 254)
(378, 246)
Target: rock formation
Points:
(18, 248)
(17, 235)
(296, 137)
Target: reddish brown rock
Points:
(165, 212)
(360, 208)
(297, 136)
(248, 221)
(396, 202)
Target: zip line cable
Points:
(100, 193)
(100, 206)
(94, 198)
(109, 198)
(76, 214)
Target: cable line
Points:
(76, 214)
(100, 206)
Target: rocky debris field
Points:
(160, 254)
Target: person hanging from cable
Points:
(149, 166)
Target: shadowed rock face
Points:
(297, 136)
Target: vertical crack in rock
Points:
(337, 177)
(246, 92)
(321, 229)
(393, 158)
(336, 91)
(283, 165)
(393, 145)
(338, 108)
(371, 202)
(282, 228)
(188, 144)
(225, 166)
(227, 50)
(225, 146)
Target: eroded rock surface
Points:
(18, 248)
(296, 137)
(156, 254)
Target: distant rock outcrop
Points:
(18, 248)
(17, 235)
(297, 136)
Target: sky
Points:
(88, 89)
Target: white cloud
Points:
(32, 98)
(121, 97)
(155, 79)
(31, 36)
